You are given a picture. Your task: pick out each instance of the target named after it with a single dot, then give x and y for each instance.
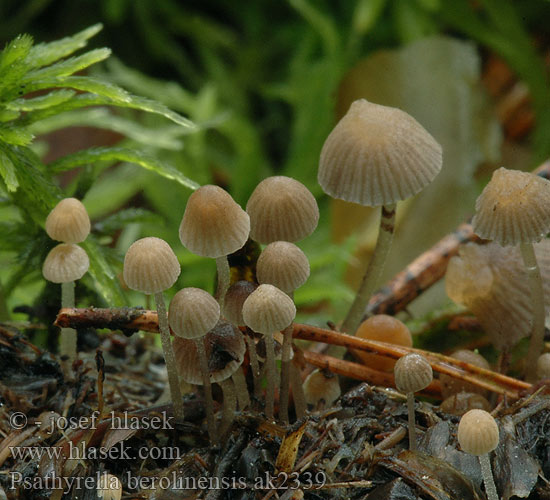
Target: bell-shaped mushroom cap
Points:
(236, 294)
(543, 366)
(513, 208)
(412, 373)
(281, 208)
(451, 386)
(225, 349)
(377, 155)
(382, 328)
(320, 385)
(268, 309)
(193, 312)
(68, 221)
(213, 224)
(150, 266)
(478, 432)
(65, 262)
(283, 265)
(502, 304)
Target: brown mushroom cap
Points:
(320, 385)
(478, 432)
(225, 349)
(236, 294)
(150, 266)
(68, 221)
(268, 309)
(283, 265)
(281, 208)
(213, 224)
(451, 386)
(193, 312)
(513, 208)
(65, 263)
(461, 402)
(543, 366)
(377, 155)
(412, 373)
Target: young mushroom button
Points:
(68, 222)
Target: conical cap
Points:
(268, 310)
(193, 312)
(66, 262)
(68, 221)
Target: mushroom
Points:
(213, 225)
(150, 266)
(478, 435)
(268, 310)
(376, 156)
(412, 373)
(192, 313)
(514, 209)
(451, 386)
(66, 263)
(285, 266)
(543, 366)
(321, 388)
(461, 402)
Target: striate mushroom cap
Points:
(478, 432)
(268, 310)
(68, 221)
(377, 155)
(213, 224)
(193, 312)
(236, 294)
(412, 373)
(150, 266)
(281, 208)
(283, 265)
(321, 385)
(513, 208)
(65, 263)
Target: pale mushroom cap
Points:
(283, 265)
(281, 209)
(65, 262)
(150, 266)
(268, 310)
(225, 349)
(68, 221)
(451, 386)
(462, 402)
(236, 294)
(377, 155)
(109, 487)
(213, 224)
(513, 208)
(193, 312)
(543, 366)
(412, 373)
(478, 432)
(317, 386)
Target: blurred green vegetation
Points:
(258, 83)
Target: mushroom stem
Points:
(207, 385)
(241, 389)
(254, 365)
(298, 395)
(537, 299)
(169, 358)
(68, 336)
(285, 374)
(490, 488)
(270, 372)
(412, 421)
(222, 266)
(374, 270)
(229, 405)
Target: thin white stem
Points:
(207, 386)
(412, 421)
(537, 299)
(67, 336)
(298, 395)
(487, 474)
(240, 386)
(169, 357)
(222, 265)
(254, 365)
(229, 405)
(285, 374)
(271, 382)
(373, 272)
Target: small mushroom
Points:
(150, 266)
(321, 388)
(412, 374)
(451, 386)
(543, 366)
(68, 222)
(478, 435)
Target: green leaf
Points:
(15, 135)
(7, 171)
(41, 102)
(124, 217)
(13, 64)
(101, 154)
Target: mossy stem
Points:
(490, 488)
(240, 387)
(285, 374)
(229, 405)
(270, 372)
(537, 299)
(222, 266)
(207, 386)
(254, 364)
(412, 421)
(67, 336)
(169, 357)
(374, 270)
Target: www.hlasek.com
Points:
(280, 481)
